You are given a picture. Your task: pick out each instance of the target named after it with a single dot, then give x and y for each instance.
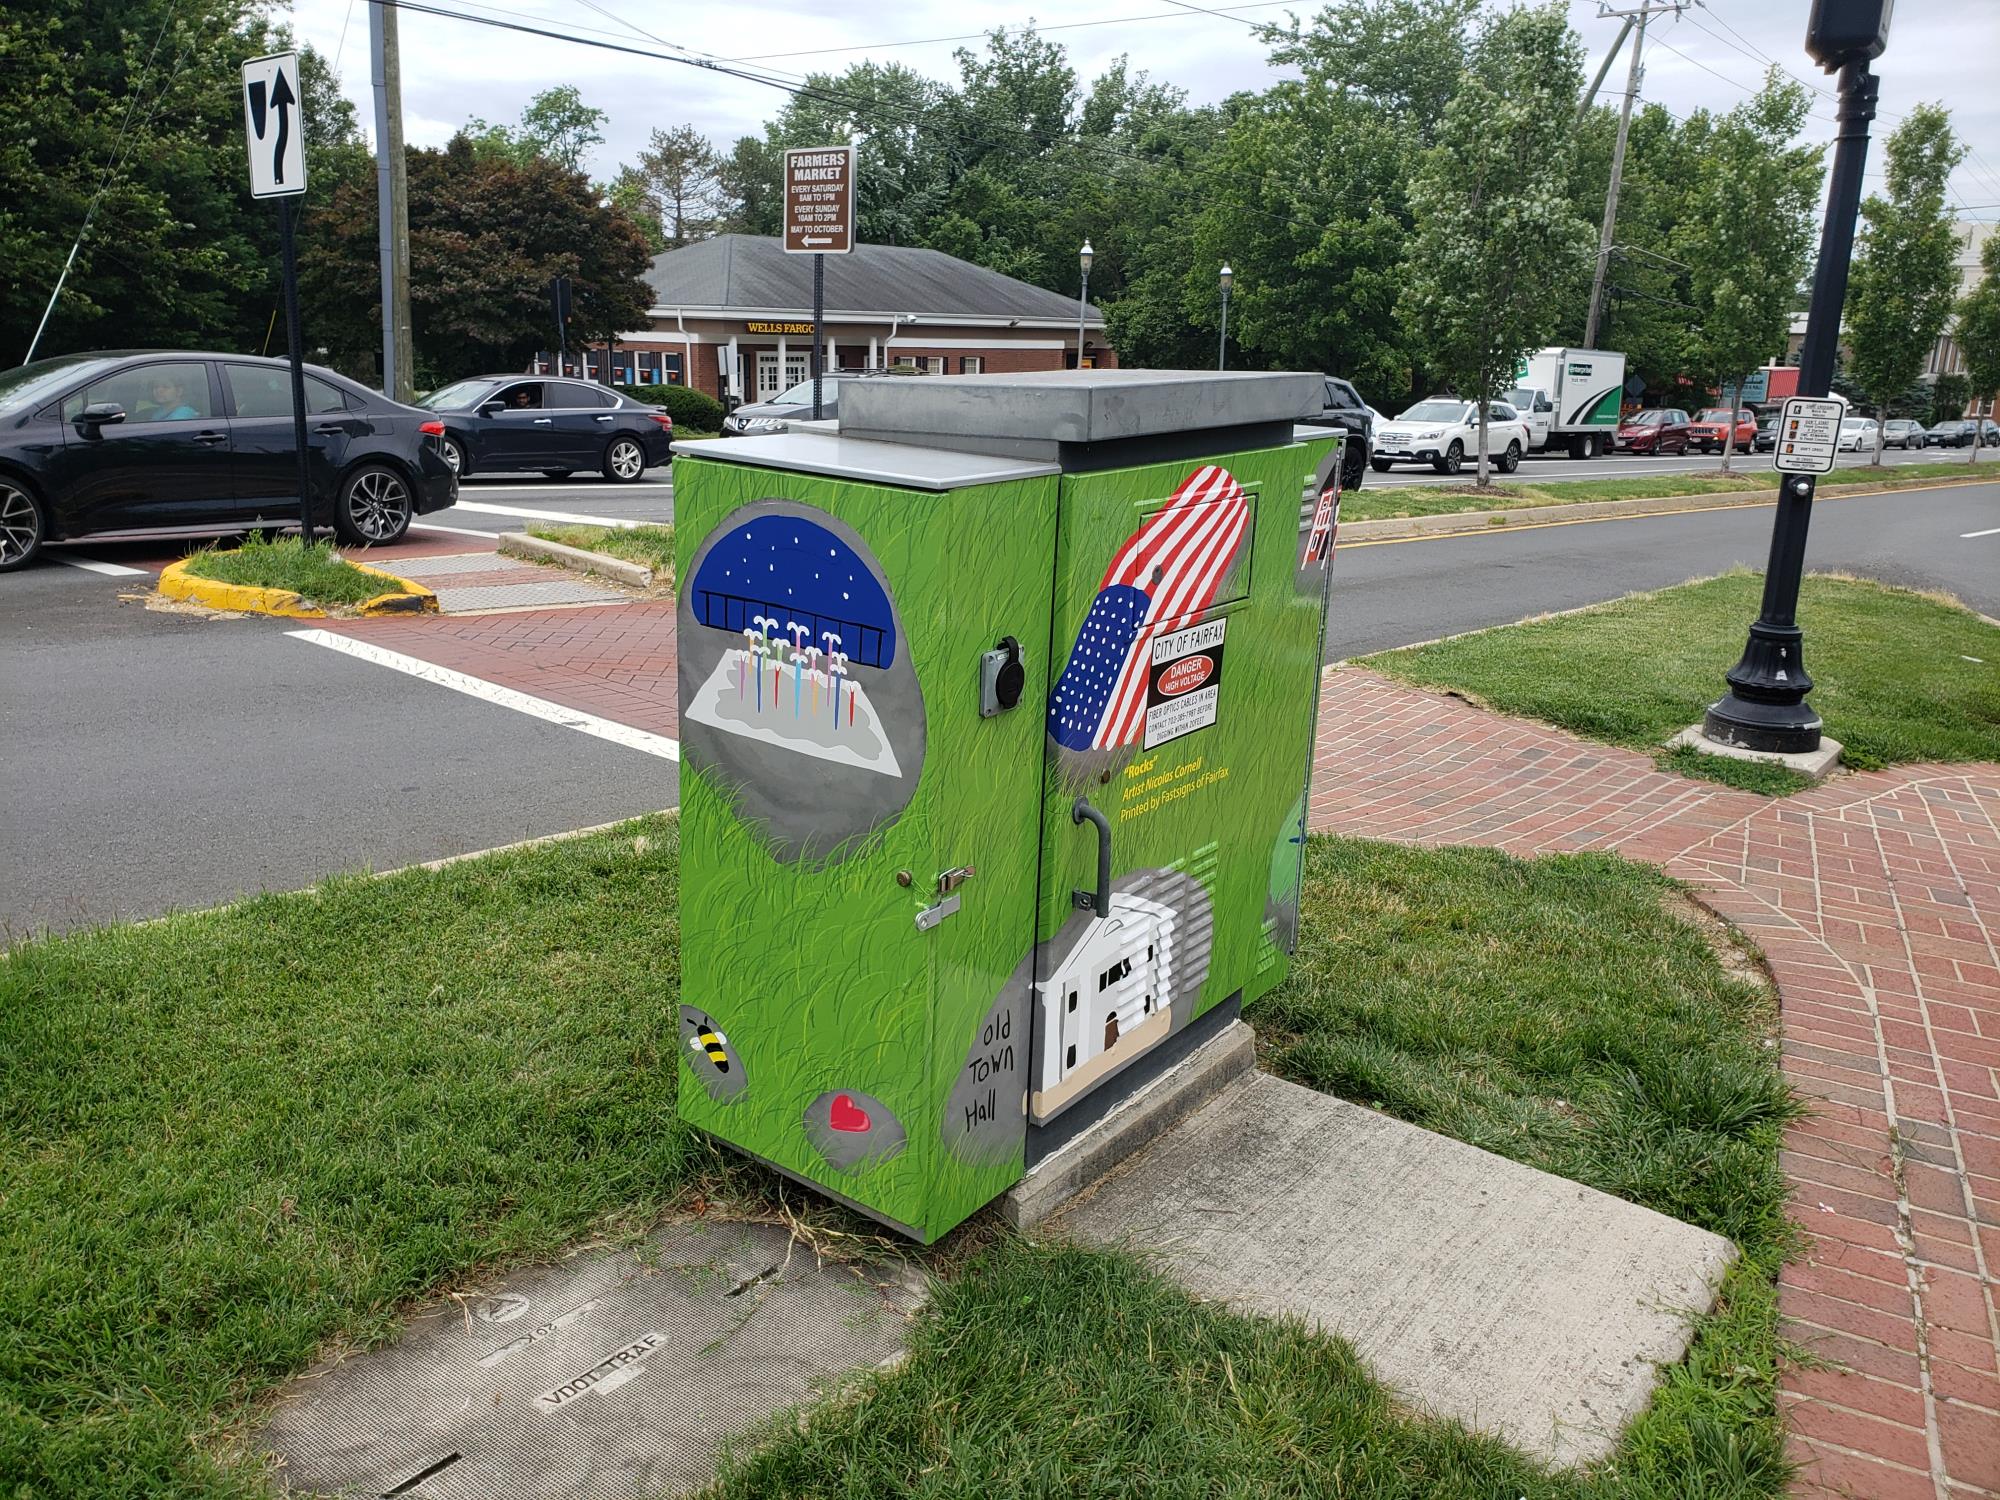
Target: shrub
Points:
(697, 411)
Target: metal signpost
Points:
(819, 221)
(274, 130)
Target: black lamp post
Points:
(1083, 257)
(1765, 707)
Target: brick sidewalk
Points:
(1876, 900)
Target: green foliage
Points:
(694, 410)
(315, 573)
(652, 546)
(1745, 231)
(682, 174)
(556, 126)
(1899, 677)
(1496, 238)
(1978, 331)
(1949, 393)
(228, 1137)
(1905, 273)
(488, 232)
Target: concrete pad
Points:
(1818, 764)
(1135, 1124)
(1524, 1305)
(610, 1375)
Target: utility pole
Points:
(392, 198)
(1647, 8)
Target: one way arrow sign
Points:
(274, 125)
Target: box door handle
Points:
(1098, 901)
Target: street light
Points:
(1084, 256)
(1765, 707)
(1228, 279)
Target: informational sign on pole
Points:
(274, 129)
(1808, 435)
(819, 221)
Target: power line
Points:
(975, 36)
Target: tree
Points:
(1949, 396)
(1498, 240)
(632, 195)
(747, 179)
(681, 169)
(487, 234)
(556, 125)
(1978, 331)
(1746, 234)
(1905, 272)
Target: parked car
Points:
(495, 424)
(1902, 433)
(199, 443)
(1443, 432)
(1709, 430)
(795, 405)
(1951, 434)
(1346, 410)
(1857, 434)
(1658, 429)
(1766, 439)
(1989, 433)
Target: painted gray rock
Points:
(715, 1064)
(986, 1118)
(852, 1130)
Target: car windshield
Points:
(1434, 411)
(457, 396)
(1647, 419)
(1714, 414)
(802, 393)
(24, 385)
(1855, 424)
(1520, 396)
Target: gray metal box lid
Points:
(1073, 406)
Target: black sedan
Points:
(165, 440)
(496, 424)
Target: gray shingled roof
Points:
(752, 273)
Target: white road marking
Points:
(527, 514)
(453, 530)
(1966, 536)
(492, 692)
(91, 565)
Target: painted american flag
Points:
(1166, 570)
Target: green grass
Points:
(229, 1137)
(1898, 676)
(1557, 1012)
(1752, 474)
(314, 573)
(652, 546)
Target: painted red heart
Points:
(847, 1115)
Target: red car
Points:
(1710, 429)
(1659, 429)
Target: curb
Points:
(520, 544)
(1395, 528)
(176, 582)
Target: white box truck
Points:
(1569, 398)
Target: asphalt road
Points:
(1554, 467)
(152, 760)
(1397, 593)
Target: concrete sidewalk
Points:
(1876, 901)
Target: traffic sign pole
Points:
(819, 330)
(288, 212)
(1765, 707)
(819, 221)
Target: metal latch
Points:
(930, 916)
(951, 880)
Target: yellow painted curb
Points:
(411, 598)
(176, 582)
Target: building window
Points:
(934, 364)
(971, 364)
(906, 362)
(670, 369)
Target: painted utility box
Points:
(996, 717)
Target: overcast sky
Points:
(1942, 50)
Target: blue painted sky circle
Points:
(792, 570)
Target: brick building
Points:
(733, 316)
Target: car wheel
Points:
(1453, 460)
(374, 506)
(1511, 459)
(1379, 465)
(454, 457)
(556, 473)
(1352, 467)
(23, 525)
(624, 460)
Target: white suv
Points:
(1444, 433)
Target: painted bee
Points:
(708, 1039)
